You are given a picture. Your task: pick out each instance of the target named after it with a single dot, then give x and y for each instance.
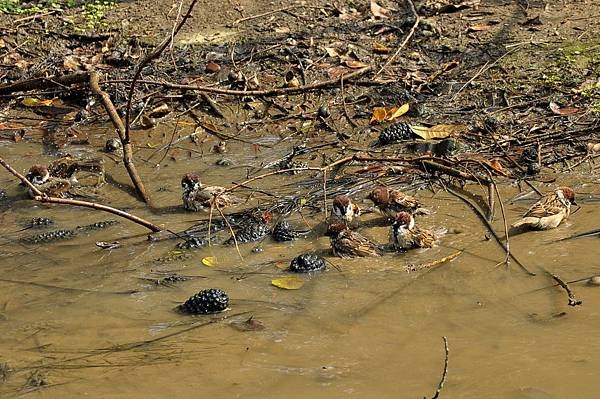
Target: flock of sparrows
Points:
(547, 213)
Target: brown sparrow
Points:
(198, 197)
(549, 211)
(405, 235)
(346, 243)
(390, 201)
(67, 167)
(344, 210)
(40, 177)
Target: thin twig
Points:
(445, 373)
(413, 10)
(147, 59)
(573, 301)
(266, 93)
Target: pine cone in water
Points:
(252, 232)
(283, 232)
(192, 242)
(208, 301)
(395, 133)
(41, 221)
(307, 263)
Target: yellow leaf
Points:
(34, 102)
(209, 261)
(379, 48)
(438, 131)
(150, 145)
(175, 252)
(379, 114)
(288, 283)
(397, 112)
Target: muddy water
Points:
(88, 323)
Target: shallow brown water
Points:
(364, 328)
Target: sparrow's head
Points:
(341, 203)
(379, 195)
(335, 229)
(190, 182)
(568, 193)
(404, 220)
(38, 174)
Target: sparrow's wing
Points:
(424, 238)
(55, 187)
(398, 198)
(364, 247)
(548, 205)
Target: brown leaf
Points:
(212, 67)
(379, 48)
(378, 11)
(379, 114)
(478, 28)
(563, 111)
(355, 64)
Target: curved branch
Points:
(41, 197)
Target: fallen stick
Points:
(445, 373)
(266, 93)
(41, 197)
(573, 301)
(45, 83)
(121, 131)
(413, 10)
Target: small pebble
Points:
(594, 280)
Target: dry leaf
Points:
(378, 11)
(34, 102)
(563, 111)
(593, 147)
(379, 114)
(288, 283)
(209, 261)
(379, 48)
(355, 64)
(478, 28)
(497, 166)
(438, 131)
(397, 112)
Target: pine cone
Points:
(307, 263)
(395, 133)
(208, 301)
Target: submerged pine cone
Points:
(50, 236)
(284, 232)
(192, 242)
(252, 232)
(307, 263)
(41, 221)
(395, 133)
(208, 301)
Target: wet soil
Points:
(76, 319)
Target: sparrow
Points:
(40, 177)
(69, 168)
(344, 210)
(346, 243)
(390, 201)
(549, 211)
(197, 196)
(405, 235)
